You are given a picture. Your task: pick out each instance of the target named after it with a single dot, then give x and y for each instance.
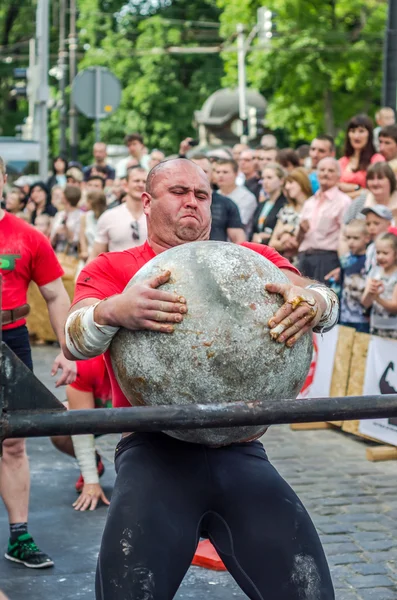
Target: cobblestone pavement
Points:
(352, 502)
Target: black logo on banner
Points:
(386, 388)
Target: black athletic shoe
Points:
(25, 552)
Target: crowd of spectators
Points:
(333, 218)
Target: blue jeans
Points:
(18, 340)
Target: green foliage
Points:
(160, 91)
(16, 27)
(324, 63)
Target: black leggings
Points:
(169, 493)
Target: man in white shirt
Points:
(123, 227)
(226, 171)
(137, 155)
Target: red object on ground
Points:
(206, 556)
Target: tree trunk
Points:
(329, 120)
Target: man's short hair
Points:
(288, 156)
(100, 170)
(324, 137)
(200, 156)
(390, 131)
(2, 166)
(228, 161)
(133, 137)
(75, 173)
(303, 151)
(97, 177)
(133, 169)
(359, 224)
(72, 194)
(335, 162)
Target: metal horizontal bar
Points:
(116, 420)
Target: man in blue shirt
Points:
(321, 147)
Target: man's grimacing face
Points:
(179, 206)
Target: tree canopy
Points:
(323, 65)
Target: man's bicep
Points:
(54, 289)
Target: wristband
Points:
(330, 316)
(83, 337)
(84, 450)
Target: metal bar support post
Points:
(36, 423)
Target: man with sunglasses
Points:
(124, 226)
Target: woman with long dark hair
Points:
(59, 168)
(39, 202)
(359, 154)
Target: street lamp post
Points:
(242, 82)
(42, 90)
(390, 58)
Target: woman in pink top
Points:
(359, 154)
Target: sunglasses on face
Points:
(135, 230)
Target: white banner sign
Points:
(318, 382)
(381, 378)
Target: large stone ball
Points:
(222, 351)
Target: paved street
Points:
(352, 502)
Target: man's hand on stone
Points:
(143, 306)
(301, 312)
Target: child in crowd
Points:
(378, 219)
(66, 224)
(352, 312)
(43, 224)
(381, 288)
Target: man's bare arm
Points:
(236, 235)
(97, 249)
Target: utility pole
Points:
(62, 55)
(72, 75)
(42, 94)
(242, 83)
(389, 91)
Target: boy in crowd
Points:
(353, 277)
(43, 224)
(384, 117)
(378, 219)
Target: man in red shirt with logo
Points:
(91, 389)
(25, 256)
(168, 492)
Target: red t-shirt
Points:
(109, 274)
(92, 376)
(25, 255)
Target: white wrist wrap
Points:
(85, 338)
(330, 316)
(84, 449)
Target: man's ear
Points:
(146, 202)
